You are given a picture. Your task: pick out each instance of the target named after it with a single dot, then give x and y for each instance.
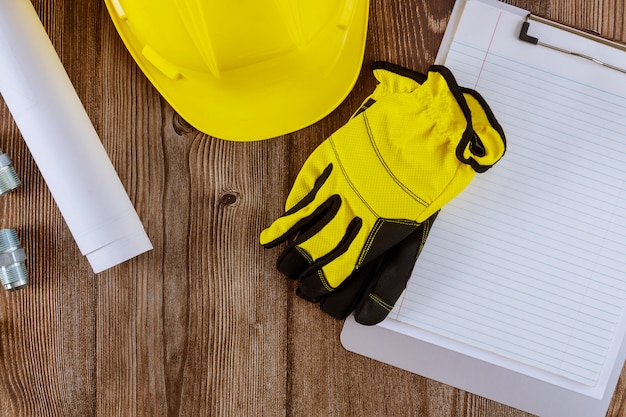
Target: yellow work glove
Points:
(372, 290)
(372, 184)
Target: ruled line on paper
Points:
(528, 261)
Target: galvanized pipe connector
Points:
(9, 180)
(13, 273)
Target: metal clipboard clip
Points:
(523, 35)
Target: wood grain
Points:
(203, 325)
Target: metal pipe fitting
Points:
(9, 180)
(13, 273)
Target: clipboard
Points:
(450, 324)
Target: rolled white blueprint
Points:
(64, 143)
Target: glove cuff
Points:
(483, 143)
(399, 70)
(392, 79)
(487, 144)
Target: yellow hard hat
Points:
(246, 69)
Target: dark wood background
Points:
(203, 325)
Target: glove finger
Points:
(294, 260)
(329, 271)
(392, 276)
(341, 302)
(313, 174)
(315, 281)
(299, 216)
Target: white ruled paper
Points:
(529, 262)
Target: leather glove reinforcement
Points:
(412, 147)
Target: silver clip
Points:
(523, 35)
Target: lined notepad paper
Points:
(529, 262)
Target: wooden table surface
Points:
(203, 325)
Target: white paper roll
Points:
(64, 143)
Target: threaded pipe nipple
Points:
(13, 273)
(9, 180)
